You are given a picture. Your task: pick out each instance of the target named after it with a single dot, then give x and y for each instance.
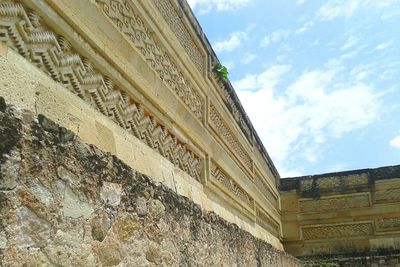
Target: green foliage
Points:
(222, 72)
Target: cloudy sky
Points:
(320, 80)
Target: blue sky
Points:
(320, 80)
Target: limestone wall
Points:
(135, 78)
(354, 213)
(67, 203)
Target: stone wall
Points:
(66, 203)
(355, 214)
(138, 75)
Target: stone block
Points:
(74, 207)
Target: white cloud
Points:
(350, 42)
(362, 71)
(338, 8)
(230, 44)
(300, 2)
(306, 27)
(347, 8)
(314, 109)
(206, 6)
(275, 37)
(248, 58)
(267, 79)
(383, 46)
(395, 142)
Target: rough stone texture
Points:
(381, 259)
(347, 218)
(66, 203)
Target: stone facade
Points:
(348, 218)
(123, 148)
(143, 71)
(67, 203)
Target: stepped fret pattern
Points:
(25, 32)
(175, 23)
(234, 109)
(264, 189)
(335, 203)
(231, 185)
(335, 231)
(132, 26)
(389, 222)
(268, 224)
(223, 129)
(388, 195)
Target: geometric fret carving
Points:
(356, 179)
(24, 31)
(334, 203)
(231, 185)
(336, 231)
(388, 195)
(328, 182)
(263, 187)
(226, 133)
(264, 221)
(389, 222)
(233, 107)
(175, 23)
(132, 26)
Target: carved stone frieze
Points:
(334, 203)
(231, 185)
(235, 111)
(389, 222)
(264, 189)
(356, 179)
(336, 231)
(228, 136)
(25, 32)
(177, 26)
(133, 27)
(267, 223)
(328, 182)
(388, 195)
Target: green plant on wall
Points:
(221, 72)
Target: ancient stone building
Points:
(119, 145)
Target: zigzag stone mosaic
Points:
(25, 32)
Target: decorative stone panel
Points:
(177, 26)
(267, 223)
(26, 32)
(233, 143)
(334, 203)
(388, 195)
(389, 222)
(337, 231)
(231, 185)
(264, 189)
(134, 28)
(234, 108)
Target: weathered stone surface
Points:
(100, 224)
(31, 230)
(110, 193)
(141, 206)
(74, 207)
(42, 193)
(3, 239)
(125, 225)
(69, 249)
(78, 206)
(67, 176)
